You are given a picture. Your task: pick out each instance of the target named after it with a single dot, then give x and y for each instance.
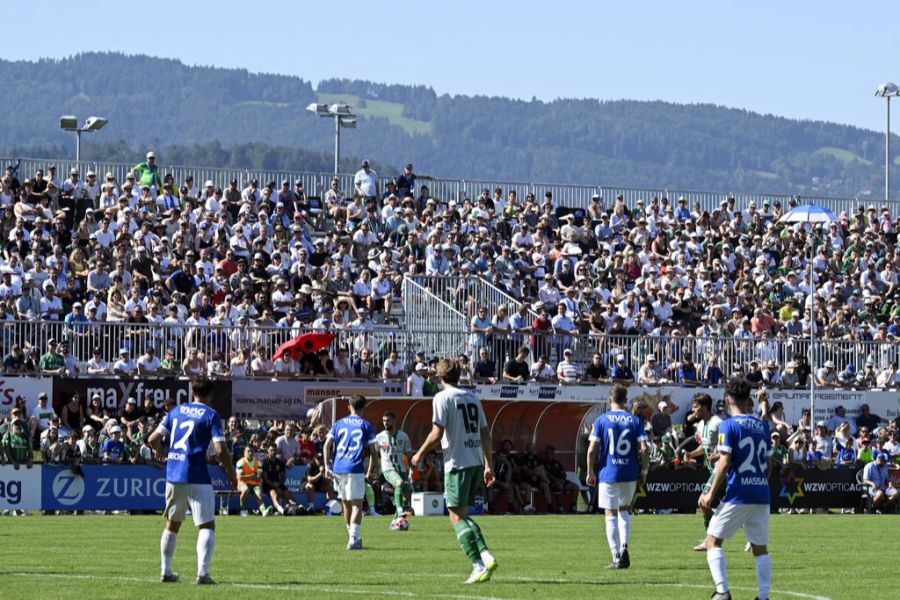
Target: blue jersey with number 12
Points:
(619, 434)
(746, 439)
(190, 427)
(351, 437)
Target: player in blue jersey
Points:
(744, 454)
(190, 428)
(347, 445)
(617, 458)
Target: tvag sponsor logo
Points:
(114, 393)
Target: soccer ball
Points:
(400, 524)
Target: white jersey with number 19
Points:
(461, 415)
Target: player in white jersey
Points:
(458, 422)
(745, 453)
(190, 428)
(395, 451)
(708, 436)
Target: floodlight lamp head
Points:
(348, 122)
(94, 123)
(342, 110)
(886, 90)
(68, 122)
(319, 109)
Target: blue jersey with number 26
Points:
(190, 427)
(619, 434)
(746, 439)
(351, 437)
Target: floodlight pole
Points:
(78, 146)
(337, 142)
(812, 330)
(887, 152)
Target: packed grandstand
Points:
(142, 272)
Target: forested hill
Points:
(229, 117)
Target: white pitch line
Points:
(501, 578)
(263, 586)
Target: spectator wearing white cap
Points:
(826, 375)
(416, 381)
(147, 173)
(566, 370)
(113, 448)
(125, 366)
(621, 372)
(650, 372)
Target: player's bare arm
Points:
(487, 450)
(591, 478)
(433, 438)
(722, 465)
(224, 458)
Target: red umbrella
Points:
(306, 342)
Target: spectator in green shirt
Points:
(52, 362)
(16, 446)
(147, 173)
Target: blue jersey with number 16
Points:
(190, 428)
(746, 439)
(351, 437)
(619, 434)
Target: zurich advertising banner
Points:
(111, 487)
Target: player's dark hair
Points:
(358, 402)
(739, 390)
(704, 400)
(202, 387)
(449, 371)
(389, 413)
(618, 394)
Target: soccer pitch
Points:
(814, 556)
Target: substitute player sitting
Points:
(249, 475)
(395, 450)
(875, 476)
(623, 460)
(744, 453)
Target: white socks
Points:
(624, 527)
(206, 542)
(486, 556)
(354, 532)
(716, 559)
(167, 550)
(612, 536)
(764, 575)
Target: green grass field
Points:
(814, 556)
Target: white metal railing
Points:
(444, 189)
(220, 342)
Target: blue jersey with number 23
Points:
(351, 437)
(619, 434)
(746, 439)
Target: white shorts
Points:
(350, 486)
(198, 496)
(615, 495)
(729, 517)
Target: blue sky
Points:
(803, 59)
